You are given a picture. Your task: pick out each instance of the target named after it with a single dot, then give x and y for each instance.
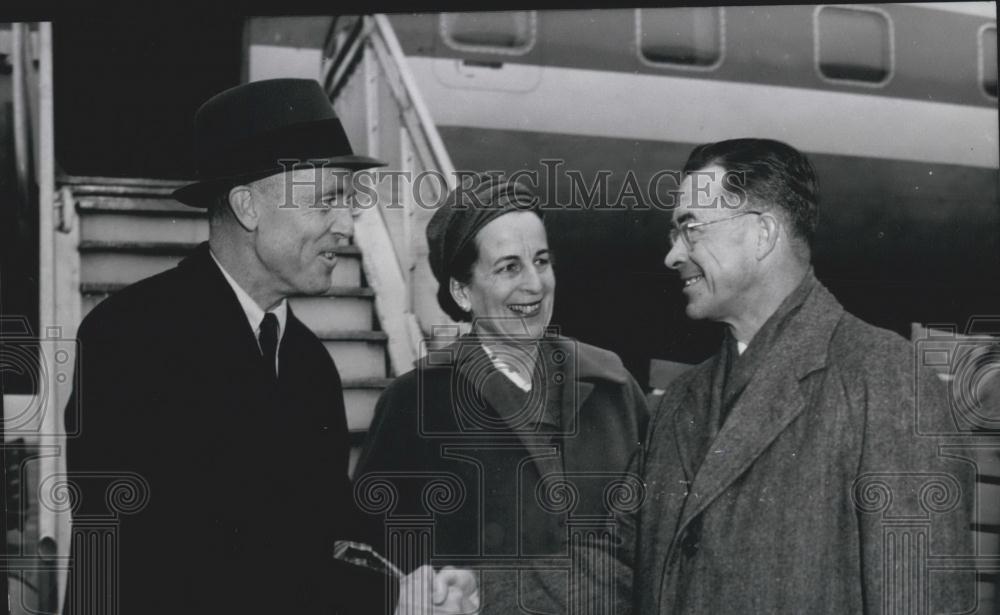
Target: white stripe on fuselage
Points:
(691, 110)
(979, 9)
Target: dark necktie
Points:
(269, 341)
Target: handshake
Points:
(449, 591)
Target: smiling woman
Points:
(512, 413)
(509, 289)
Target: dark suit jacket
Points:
(453, 447)
(223, 489)
(816, 494)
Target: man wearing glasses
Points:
(781, 473)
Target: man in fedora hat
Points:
(201, 390)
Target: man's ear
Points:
(460, 293)
(769, 228)
(241, 202)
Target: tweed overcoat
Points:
(239, 482)
(516, 496)
(809, 494)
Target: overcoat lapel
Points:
(224, 321)
(563, 370)
(692, 422)
(766, 407)
(575, 392)
(490, 388)
(770, 402)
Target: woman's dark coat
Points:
(453, 448)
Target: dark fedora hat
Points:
(245, 132)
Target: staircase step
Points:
(360, 407)
(138, 206)
(359, 417)
(106, 228)
(367, 383)
(157, 248)
(117, 262)
(360, 396)
(351, 335)
(358, 359)
(86, 184)
(349, 311)
(335, 291)
(349, 307)
(122, 269)
(169, 247)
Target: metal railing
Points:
(370, 83)
(34, 125)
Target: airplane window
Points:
(498, 32)
(682, 36)
(853, 44)
(988, 60)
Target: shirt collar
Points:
(506, 370)
(772, 327)
(253, 312)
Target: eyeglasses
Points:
(685, 228)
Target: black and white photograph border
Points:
(594, 111)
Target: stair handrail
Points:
(375, 30)
(36, 167)
(369, 50)
(22, 128)
(441, 159)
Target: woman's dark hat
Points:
(245, 132)
(465, 212)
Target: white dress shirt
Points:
(254, 313)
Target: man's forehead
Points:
(702, 192)
(703, 181)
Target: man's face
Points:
(304, 216)
(512, 289)
(717, 269)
